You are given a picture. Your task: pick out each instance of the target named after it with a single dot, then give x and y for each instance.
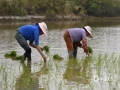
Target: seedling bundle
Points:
(13, 55)
(46, 48)
(57, 57)
(90, 49)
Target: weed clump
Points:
(57, 57)
(90, 49)
(46, 49)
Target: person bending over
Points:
(73, 37)
(30, 33)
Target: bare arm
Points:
(32, 45)
(39, 50)
(85, 46)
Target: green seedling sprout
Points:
(46, 49)
(17, 58)
(57, 57)
(90, 49)
(13, 55)
(7, 55)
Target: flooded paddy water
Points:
(99, 72)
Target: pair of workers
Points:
(31, 33)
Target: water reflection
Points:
(29, 80)
(63, 24)
(78, 72)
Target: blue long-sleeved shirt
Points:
(31, 33)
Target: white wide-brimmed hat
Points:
(88, 28)
(43, 27)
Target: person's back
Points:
(73, 38)
(77, 34)
(31, 33)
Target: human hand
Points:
(88, 54)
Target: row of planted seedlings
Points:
(65, 72)
(27, 74)
(80, 71)
(106, 71)
(8, 75)
(57, 66)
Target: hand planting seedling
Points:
(46, 49)
(13, 55)
(90, 49)
(57, 57)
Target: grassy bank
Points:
(58, 17)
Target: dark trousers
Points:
(23, 43)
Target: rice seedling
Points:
(99, 64)
(90, 49)
(46, 48)
(13, 55)
(4, 76)
(18, 58)
(57, 57)
(80, 71)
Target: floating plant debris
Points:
(13, 55)
(90, 49)
(46, 49)
(57, 57)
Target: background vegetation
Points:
(97, 8)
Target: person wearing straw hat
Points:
(73, 37)
(31, 33)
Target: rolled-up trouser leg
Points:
(69, 43)
(70, 54)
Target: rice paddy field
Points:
(101, 71)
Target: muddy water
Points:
(59, 75)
